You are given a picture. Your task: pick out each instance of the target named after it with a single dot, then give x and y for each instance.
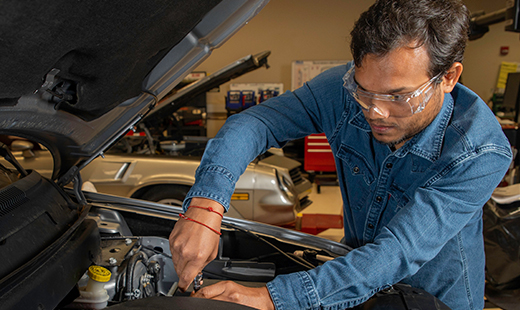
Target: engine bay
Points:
(141, 266)
(54, 239)
(50, 236)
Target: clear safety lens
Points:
(398, 105)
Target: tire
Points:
(167, 194)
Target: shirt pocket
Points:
(397, 198)
(356, 164)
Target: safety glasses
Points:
(397, 105)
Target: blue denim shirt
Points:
(413, 215)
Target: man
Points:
(417, 156)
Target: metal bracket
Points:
(50, 80)
(78, 183)
(56, 90)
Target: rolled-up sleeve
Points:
(272, 123)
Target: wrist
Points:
(199, 212)
(207, 203)
(209, 209)
(267, 300)
(184, 217)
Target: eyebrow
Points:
(392, 91)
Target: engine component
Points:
(140, 267)
(94, 295)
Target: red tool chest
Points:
(318, 155)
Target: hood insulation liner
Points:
(104, 49)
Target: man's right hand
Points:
(193, 245)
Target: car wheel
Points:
(167, 194)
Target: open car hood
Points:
(78, 75)
(184, 96)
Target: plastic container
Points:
(94, 295)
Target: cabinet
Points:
(318, 156)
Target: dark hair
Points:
(441, 25)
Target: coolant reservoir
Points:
(94, 295)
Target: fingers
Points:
(257, 297)
(212, 291)
(189, 273)
(194, 245)
(191, 252)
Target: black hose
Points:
(139, 256)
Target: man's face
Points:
(401, 71)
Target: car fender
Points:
(126, 174)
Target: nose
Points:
(376, 112)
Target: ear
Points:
(452, 77)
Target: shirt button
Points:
(371, 226)
(356, 169)
(379, 198)
(389, 165)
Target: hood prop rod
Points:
(6, 153)
(138, 118)
(74, 170)
(78, 184)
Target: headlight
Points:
(284, 184)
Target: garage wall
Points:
(482, 62)
(319, 30)
(291, 30)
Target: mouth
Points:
(380, 128)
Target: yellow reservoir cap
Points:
(99, 273)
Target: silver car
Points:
(272, 189)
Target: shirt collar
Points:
(427, 143)
(360, 122)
